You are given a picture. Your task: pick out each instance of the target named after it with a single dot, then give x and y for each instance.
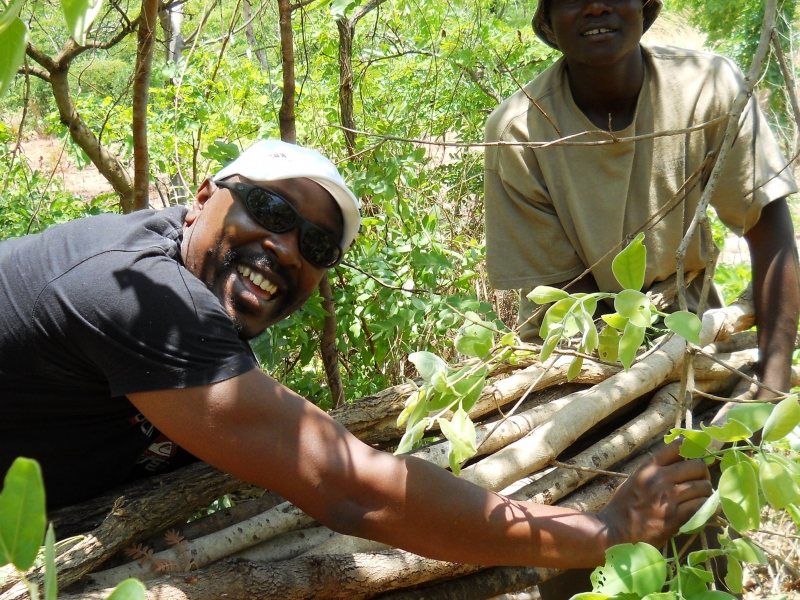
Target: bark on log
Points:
(206, 550)
(345, 577)
(218, 520)
(658, 418)
(545, 443)
(287, 546)
(158, 504)
(488, 583)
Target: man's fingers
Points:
(692, 490)
(686, 510)
(688, 470)
(668, 455)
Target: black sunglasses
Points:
(276, 214)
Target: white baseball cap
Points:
(273, 160)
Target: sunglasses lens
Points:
(277, 215)
(319, 248)
(271, 210)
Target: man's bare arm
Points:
(775, 287)
(256, 429)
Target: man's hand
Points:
(657, 499)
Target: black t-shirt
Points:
(90, 311)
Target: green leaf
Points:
(22, 514)
(685, 324)
(632, 568)
(427, 364)
(10, 14)
(556, 313)
(698, 521)
(439, 382)
(549, 345)
(634, 306)
(574, 368)
(712, 595)
(615, 320)
(544, 294)
(509, 339)
(731, 431)
(694, 580)
(460, 432)
(50, 579)
(411, 437)
(734, 577)
(752, 415)
(130, 589)
(783, 419)
(738, 490)
(474, 339)
(591, 596)
(660, 596)
(629, 266)
(695, 443)
(411, 403)
(590, 338)
(13, 41)
(779, 487)
(80, 14)
(748, 552)
(700, 556)
(470, 388)
(631, 339)
(608, 344)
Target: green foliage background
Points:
(422, 70)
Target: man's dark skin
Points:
(606, 72)
(254, 428)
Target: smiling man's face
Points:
(596, 32)
(258, 276)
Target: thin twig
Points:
(557, 463)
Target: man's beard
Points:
(265, 262)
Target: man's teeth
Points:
(597, 31)
(258, 279)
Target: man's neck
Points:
(609, 92)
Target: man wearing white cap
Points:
(119, 333)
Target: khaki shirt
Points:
(552, 212)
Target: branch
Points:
(40, 57)
(141, 90)
(297, 5)
(191, 37)
(35, 71)
(362, 11)
(72, 50)
(731, 130)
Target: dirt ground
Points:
(47, 154)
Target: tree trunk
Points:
(330, 355)
(286, 114)
(346, 31)
(141, 92)
(171, 22)
(251, 36)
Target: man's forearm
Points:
(776, 294)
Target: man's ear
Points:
(204, 192)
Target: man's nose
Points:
(595, 8)
(286, 247)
